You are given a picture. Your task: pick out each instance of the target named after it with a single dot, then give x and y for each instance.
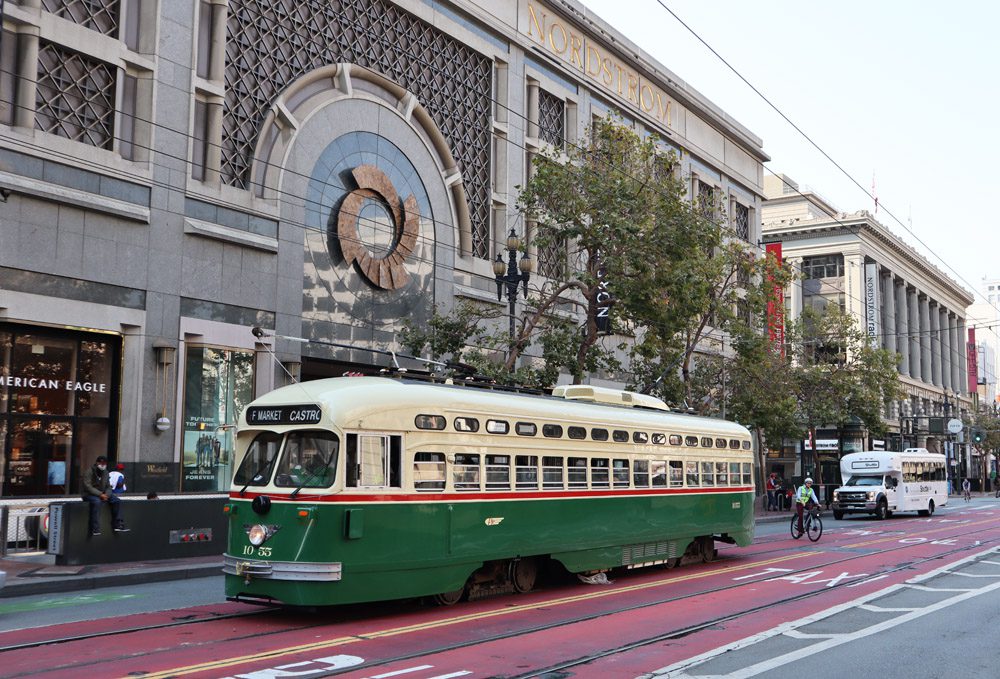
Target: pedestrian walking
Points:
(97, 491)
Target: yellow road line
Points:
(459, 619)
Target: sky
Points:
(907, 93)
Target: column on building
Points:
(956, 354)
(925, 339)
(963, 363)
(795, 292)
(903, 324)
(946, 361)
(935, 342)
(888, 313)
(914, 320)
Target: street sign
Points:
(954, 426)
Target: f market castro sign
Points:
(295, 414)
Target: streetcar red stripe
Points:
(515, 495)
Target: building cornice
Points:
(862, 225)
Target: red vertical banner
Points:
(973, 362)
(776, 303)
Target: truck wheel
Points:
(837, 514)
(882, 510)
(928, 511)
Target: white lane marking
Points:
(795, 634)
(677, 670)
(978, 575)
(884, 609)
(450, 676)
(925, 588)
(399, 672)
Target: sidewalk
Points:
(37, 573)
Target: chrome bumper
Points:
(280, 570)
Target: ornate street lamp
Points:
(517, 272)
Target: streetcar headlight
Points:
(258, 534)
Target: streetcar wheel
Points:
(449, 598)
(523, 574)
(882, 510)
(708, 552)
(815, 529)
(671, 563)
(837, 514)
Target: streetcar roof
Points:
(347, 400)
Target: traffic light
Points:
(977, 435)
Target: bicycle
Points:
(811, 522)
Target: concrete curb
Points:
(27, 586)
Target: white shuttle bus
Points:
(882, 482)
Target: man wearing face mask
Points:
(97, 491)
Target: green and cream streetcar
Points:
(367, 488)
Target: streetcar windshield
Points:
(255, 469)
(309, 460)
(864, 481)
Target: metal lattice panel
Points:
(741, 221)
(97, 15)
(552, 259)
(270, 43)
(75, 96)
(551, 118)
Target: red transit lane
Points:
(550, 626)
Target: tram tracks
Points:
(678, 633)
(673, 634)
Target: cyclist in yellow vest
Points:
(805, 498)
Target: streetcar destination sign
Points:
(296, 414)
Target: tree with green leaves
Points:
(611, 219)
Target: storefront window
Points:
(218, 385)
(57, 390)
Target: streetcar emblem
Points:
(494, 520)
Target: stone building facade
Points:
(907, 305)
(176, 173)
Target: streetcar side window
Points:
(576, 471)
(526, 472)
(526, 428)
(734, 444)
(498, 472)
(691, 440)
(691, 474)
(255, 468)
(746, 445)
(619, 436)
(466, 473)
(707, 474)
(599, 473)
(428, 471)
(640, 473)
(675, 439)
(619, 473)
(676, 474)
(640, 437)
(599, 434)
(734, 473)
(552, 472)
(747, 474)
(374, 461)
(576, 432)
(497, 426)
(720, 443)
(721, 474)
(659, 439)
(658, 470)
(466, 424)
(706, 442)
(552, 431)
